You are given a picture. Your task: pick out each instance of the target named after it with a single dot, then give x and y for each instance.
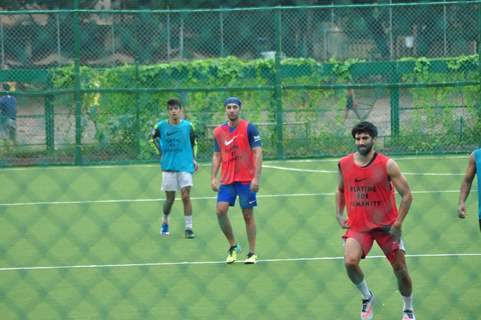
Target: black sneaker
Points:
(189, 234)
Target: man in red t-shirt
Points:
(237, 149)
(367, 180)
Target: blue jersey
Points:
(8, 107)
(176, 145)
(477, 159)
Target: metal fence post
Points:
(137, 112)
(49, 123)
(278, 84)
(221, 26)
(395, 78)
(77, 95)
(57, 25)
(479, 61)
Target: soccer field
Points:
(83, 243)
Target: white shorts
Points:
(173, 181)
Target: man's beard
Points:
(365, 149)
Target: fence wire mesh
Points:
(83, 242)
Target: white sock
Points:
(362, 286)
(408, 302)
(188, 222)
(165, 219)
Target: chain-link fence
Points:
(86, 81)
(82, 242)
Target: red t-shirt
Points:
(237, 158)
(369, 193)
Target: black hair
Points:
(6, 87)
(364, 127)
(174, 102)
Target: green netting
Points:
(80, 241)
(91, 75)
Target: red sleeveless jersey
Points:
(369, 193)
(237, 158)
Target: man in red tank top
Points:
(238, 152)
(367, 181)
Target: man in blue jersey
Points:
(474, 164)
(174, 139)
(8, 114)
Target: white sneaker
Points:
(408, 315)
(367, 308)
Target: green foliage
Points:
(444, 115)
(125, 102)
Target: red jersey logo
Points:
(236, 154)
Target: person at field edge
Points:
(474, 165)
(174, 139)
(367, 180)
(351, 104)
(238, 152)
(8, 114)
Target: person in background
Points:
(8, 114)
(174, 139)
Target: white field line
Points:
(335, 171)
(268, 166)
(207, 164)
(280, 195)
(163, 264)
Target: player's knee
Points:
(169, 202)
(220, 211)
(185, 196)
(351, 262)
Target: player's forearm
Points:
(404, 206)
(192, 143)
(157, 146)
(340, 203)
(215, 166)
(258, 163)
(464, 191)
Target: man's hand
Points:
(462, 211)
(254, 185)
(395, 232)
(213, 185)
(342, 221)
(196, 166)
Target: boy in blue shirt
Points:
(174, 139)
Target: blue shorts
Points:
(229, 192)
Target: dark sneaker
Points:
(164, 230)
(189, 234)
